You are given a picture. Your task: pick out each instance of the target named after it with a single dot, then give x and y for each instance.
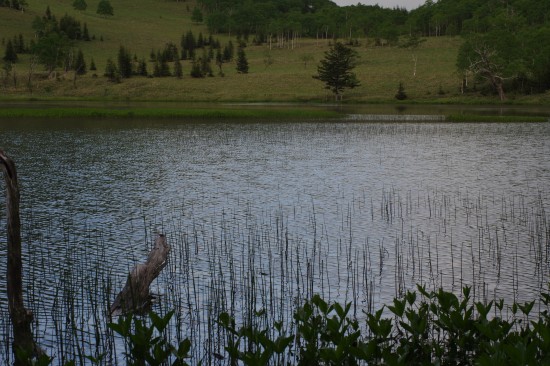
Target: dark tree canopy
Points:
(80, 5)
(52, 50)
(105, 8)
(508, 50)
(196, 16)
(335, 70)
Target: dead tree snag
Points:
(24, 347)
(135, 295)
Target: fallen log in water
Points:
(135, 296)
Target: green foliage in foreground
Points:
(439, 329)
(422, 328)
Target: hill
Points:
(275, 74)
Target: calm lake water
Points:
(261, 215)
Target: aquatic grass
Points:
(491, 118)
(199, 113)
(232, 266)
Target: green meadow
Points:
(144, 25)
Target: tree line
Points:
(506, 43)
(323, 18)
(14, 4)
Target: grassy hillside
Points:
(143, 25)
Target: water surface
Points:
(262, 214)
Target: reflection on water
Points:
(262, 215)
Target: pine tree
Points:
(196, 71)
(20, 44)
(85, 34)
(111, 71)
(80, 64)
(104, 8)
(80, 5)
(227, 54)
(164, 68)
(178, 70)
(124, 63)
(188, 45)
(401, 95)
(242, 62)
(206, 69)
(92, 65)
(196, 16)
(142, 68)
(335, 70)
(156, 69)
(200, 41)
(10, 54)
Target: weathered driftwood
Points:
(21, 318)
(135, 296)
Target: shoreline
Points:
(367, 113)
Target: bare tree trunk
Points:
(497, 83)
(135, 295)
(32, 64)
(23, 346)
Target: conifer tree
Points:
(111, 71)
(80, 64)
(335, 70)
(206, 69)
(227, 54)
(242, 62)
(104, 8)
(401, 95)
(124, 62)
(196, 71)
(196, 16)
(80, 5)
(20, 44)
(10, 54)
(142, 68)
(164, 68)
(178, 70)
(156, 69)
(85, 34)
(92, 65)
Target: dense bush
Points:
(422, 328)
(438, 329)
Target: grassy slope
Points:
(142, 25)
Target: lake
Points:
(263, 214)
